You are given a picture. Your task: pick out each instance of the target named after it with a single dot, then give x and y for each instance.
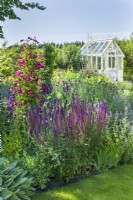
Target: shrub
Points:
(50, 57)
(72, 158)
(116, 147)
(60, 162)
(125, 86)
(119, 135)
(12, 127)
(67, 84)
(8, 58)
(39, 165)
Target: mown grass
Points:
(116, 184)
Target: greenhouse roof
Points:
(95, 47)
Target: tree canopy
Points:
(126, 46)
(7, 10)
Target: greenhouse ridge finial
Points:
(89, 36)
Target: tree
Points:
(8, 58)
(126, 46)
(50, 56)
(7, 10)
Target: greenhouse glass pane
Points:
(91, 47)
(110, 66)
(94, 62)
(97, 47)
(103, 47)
(113, 62)
(111, 53)
(99, 62)
(100, 46)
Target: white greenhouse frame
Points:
(104, 56)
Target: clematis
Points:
(19, 73)
(30, 75)
(29, 92)
(22, 62)
(17, 104)
(12, 90)
(39, 65)
(27, 79)
(20, 92)
(34, 55)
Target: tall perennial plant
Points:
(30, 76)
(72, 121)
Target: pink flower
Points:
(39, 65)
(20, 92)
(25, 47)
(19, 73)
(22, 62)
(40, 79)
(10, 105)
(17, 104)
(32, 55)
(27, 79)
(25, 102)
(13, 90)
(32, 72)
(30, 92)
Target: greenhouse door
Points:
(112, 75)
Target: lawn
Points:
(116, 184)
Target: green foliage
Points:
(72, 57)
(131, 99)
(116, 147)
(68, 56)
(95, 88)
(127, 89)
(14, 182)
(7, 10)
(107, 158)
(50, 56)
(100, 89)
(12, 144)
(15, 140)
(64, 159)
(126, 46)
(125, 86)
(72, 159)
(8, 58)
(39, 165)
(119, 135)
(13, 131)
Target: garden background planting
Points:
(57, 119)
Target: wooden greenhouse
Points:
(104, 56)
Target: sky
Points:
(71, 20)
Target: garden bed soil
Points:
(54, 184)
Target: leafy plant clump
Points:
(14, 182)
(92, 88)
